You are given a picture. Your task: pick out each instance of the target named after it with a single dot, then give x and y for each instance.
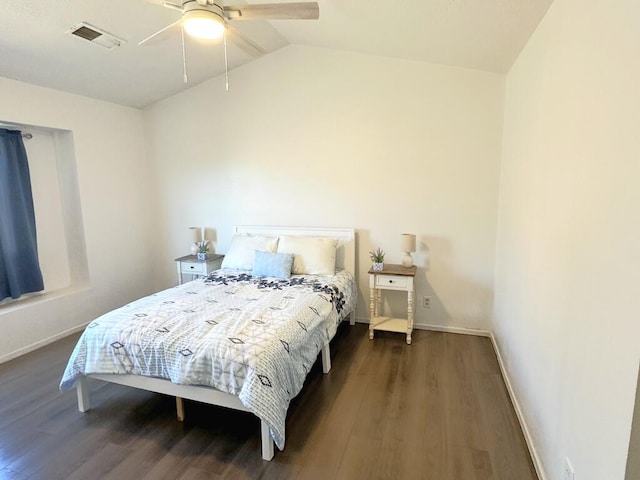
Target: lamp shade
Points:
(194, 234)
(408, 242)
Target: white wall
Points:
(568, 256)
(115, 203)
(309, 136)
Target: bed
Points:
(239, 338)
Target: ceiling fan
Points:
(209, 19)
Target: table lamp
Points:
(408, 244)
(195, 234)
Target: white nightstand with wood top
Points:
(189, 264)
(392, 277)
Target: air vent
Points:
(96, 35)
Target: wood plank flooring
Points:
(437, 409)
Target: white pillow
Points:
(313, 255)
(242, 249)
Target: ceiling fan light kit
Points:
(203, 26)
(203, 22)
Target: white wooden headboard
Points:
(346, 250)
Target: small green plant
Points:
(203, 246)
(377, 255)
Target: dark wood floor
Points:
(437, 409)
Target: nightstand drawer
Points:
(190, 265)
(194, 268)
(394, 281)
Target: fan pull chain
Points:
(184, 57)
(226, 69)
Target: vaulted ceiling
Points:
(478, 34)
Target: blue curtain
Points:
(19, 269)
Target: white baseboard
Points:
(460, 330)
(535, 458)
(41, 343)
(439, 328)
(537, 463)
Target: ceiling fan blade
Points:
(246, 45)
(174, 6)
(162, 34)
(273, 11)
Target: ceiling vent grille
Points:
(96, 35)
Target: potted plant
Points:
(203, 250)
(377, 257)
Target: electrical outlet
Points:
(426, 302)
(568, 470)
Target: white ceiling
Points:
(477, 34)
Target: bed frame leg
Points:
(82, 390)
(180, 409)
(267, 441)
(326, 359)
(352, 318)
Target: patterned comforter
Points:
(256, 338)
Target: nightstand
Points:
(189, 264)
(392, 277)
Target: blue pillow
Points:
(269, 264)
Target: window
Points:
(56, 200)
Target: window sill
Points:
(11, 305)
